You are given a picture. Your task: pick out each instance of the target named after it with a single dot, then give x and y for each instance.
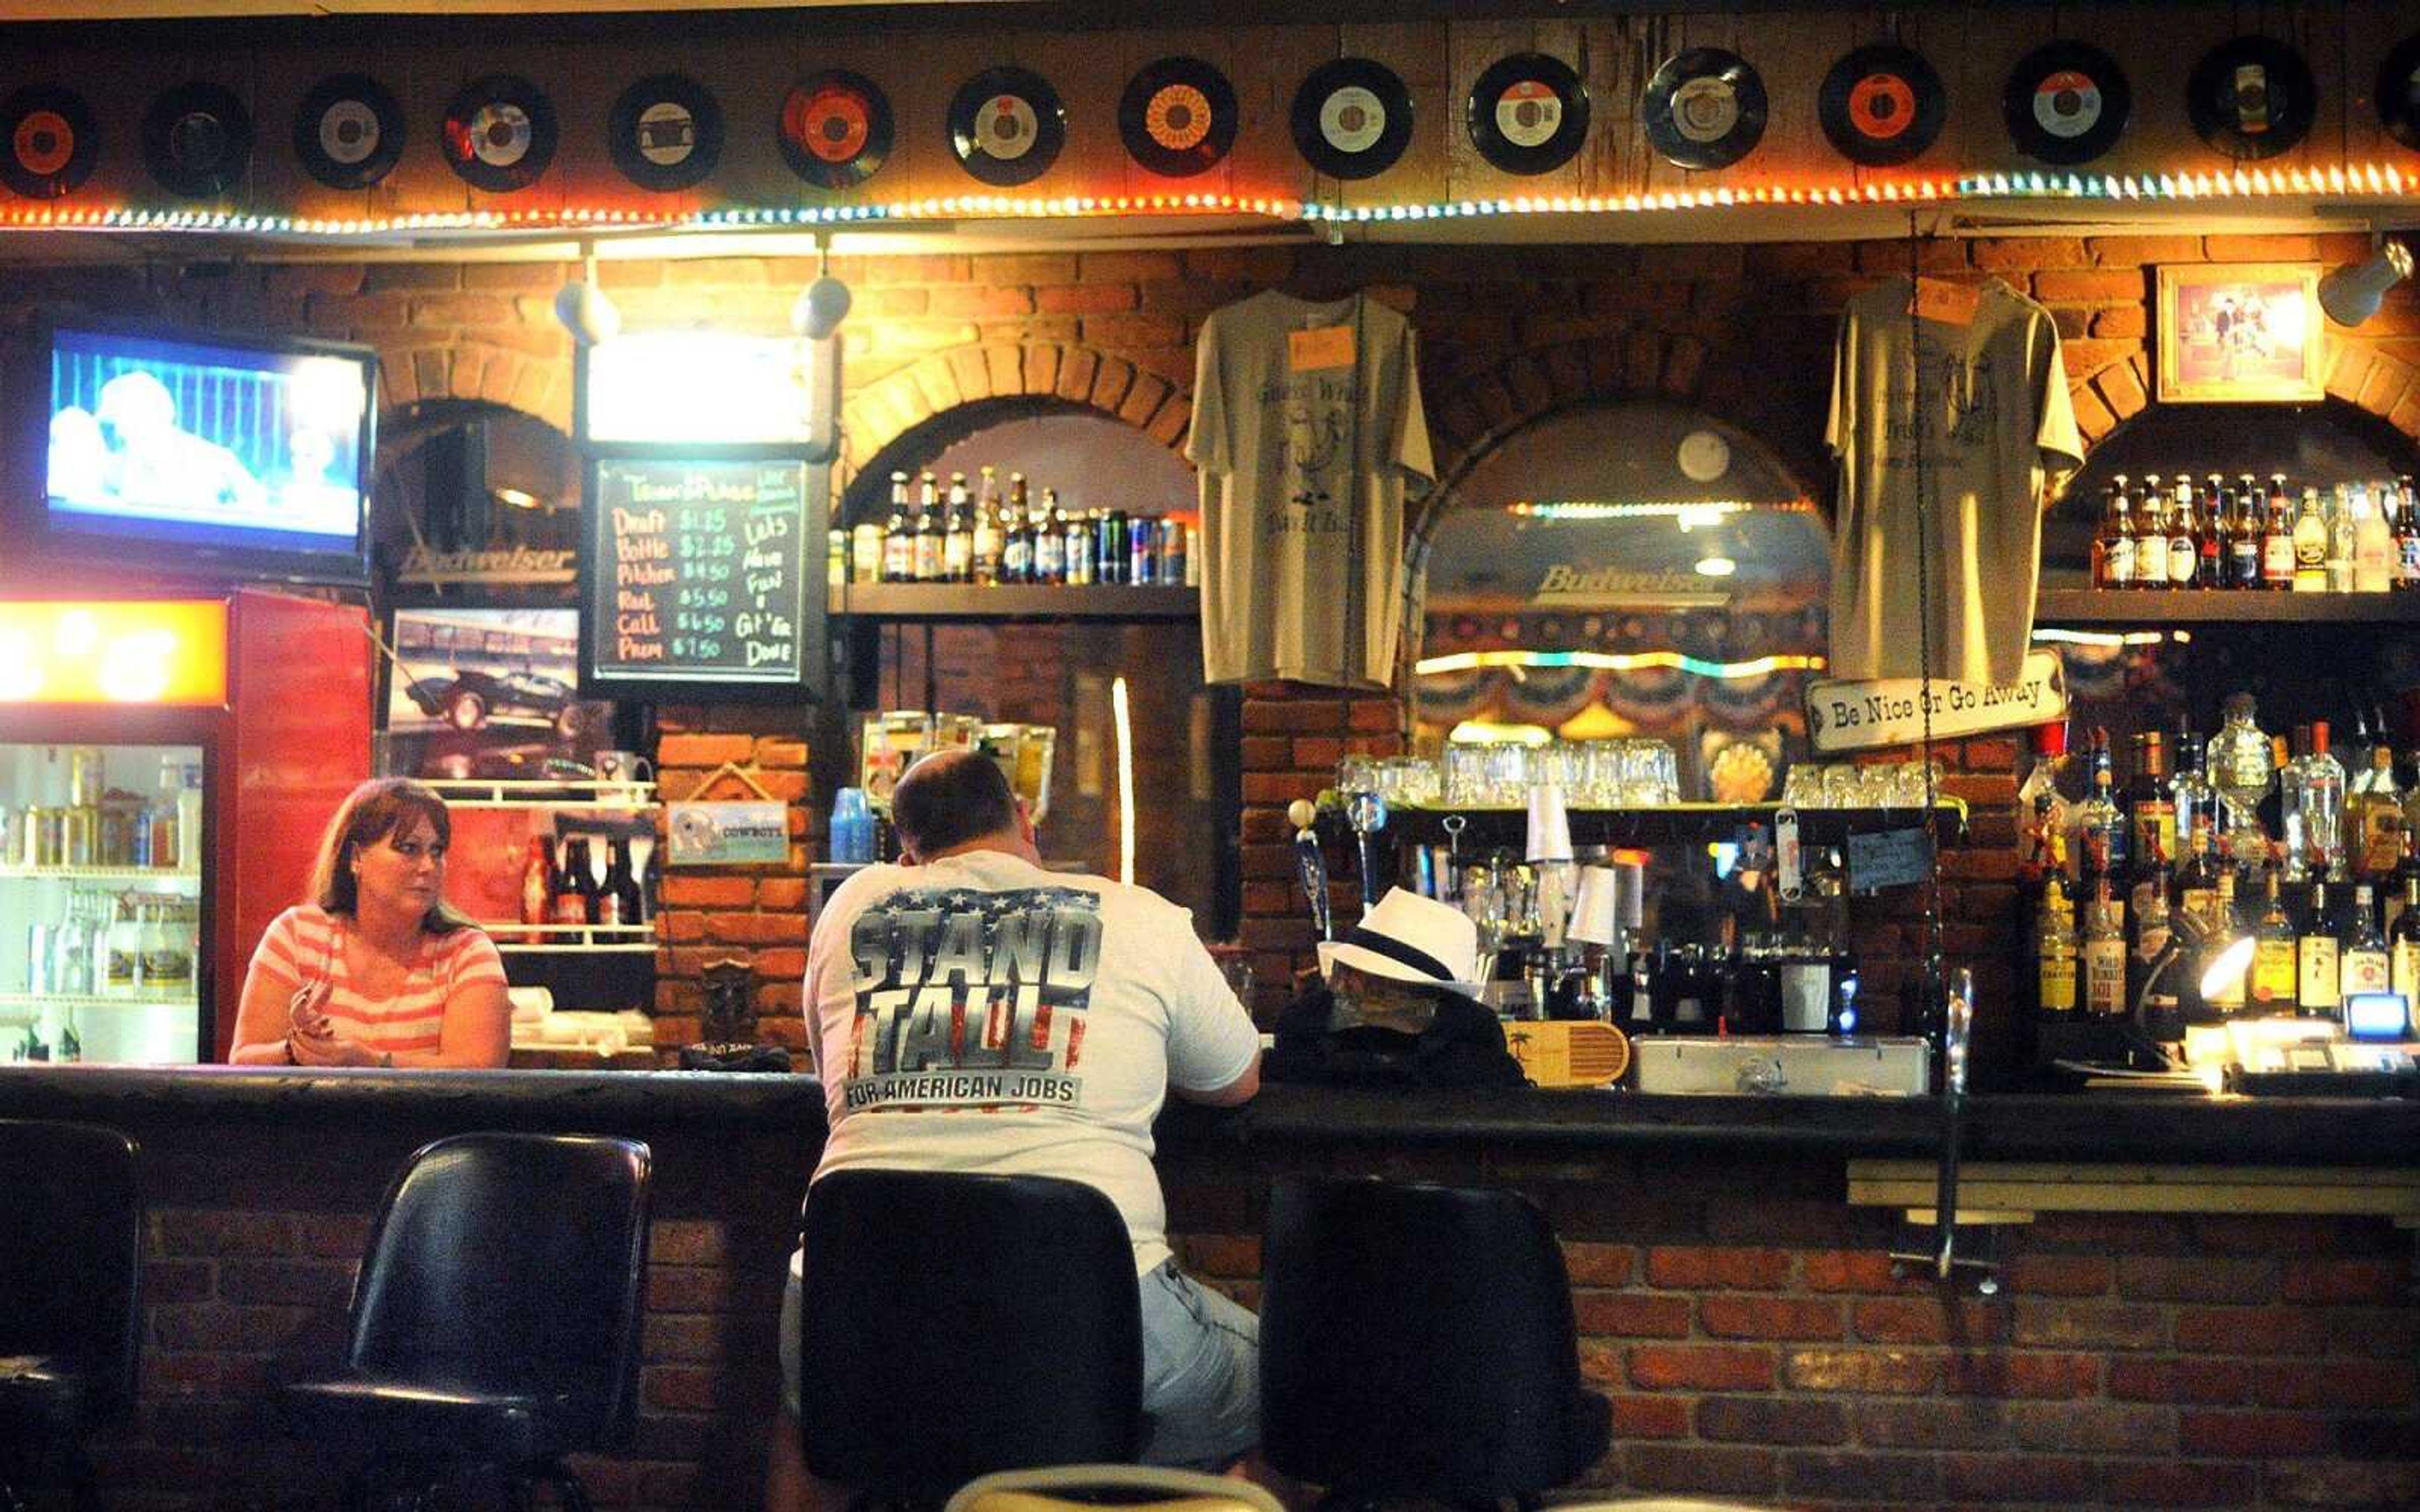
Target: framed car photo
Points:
(488, 693)
(2241, 333)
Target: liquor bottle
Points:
(2403, 946)
(2323, 807)
(2277, 555)
(2103, 955)
(958, 534)
(2293, 828)
(986, 527)
(1016, 535)
(2407, 535)
(1049, 540)
(2222, 990)
(2273, 964)
(2100, 825)
(2113, 539)
(2197, 880)
(2374, 817)
(2184, 538)
(1082, 563)
(2243, 561)
(2310, 544)
(2151, 535)
(2317, 969)
(2147, 925)
(2054, 954)
(2151, 806)
(575, 887)
(929, 529)
(2217, 534)
(619, 901)
(2337, 508)
(2190, 790)
(2365, 963)
(2046, 799)
(899, 536)
(2407, 869)
(2240, 769)
(537, 887)
(2374, 560)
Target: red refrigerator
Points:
(167, 765)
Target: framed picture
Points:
(477, 691)
(2241, 333)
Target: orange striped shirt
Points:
(305, 944)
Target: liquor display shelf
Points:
(588, 939)
(1488, 827)
(518, 792)
(2153, 606)
(105, 874)
(1016, 601)
(78, 1002)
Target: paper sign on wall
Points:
(726, 834)
(1860, 716)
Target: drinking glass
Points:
(1409, 780)
(1357, 774)
(1465, 776)
(1804, 787)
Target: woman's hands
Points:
(311, 1036)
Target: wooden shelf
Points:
(1488, 828)
(137, 875)
(2150, 607)
(1016, 601)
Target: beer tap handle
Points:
(1310, 865)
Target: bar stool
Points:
(1418, 1341)
(70, 1267)
(1082, 1488)
(496, 1320)
(954, 1325)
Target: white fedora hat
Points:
(1407, 937)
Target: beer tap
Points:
(1365, 809)
(1309, 865)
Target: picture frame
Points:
(2241, 333)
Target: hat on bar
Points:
(1407, 937)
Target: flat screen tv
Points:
(199, 455)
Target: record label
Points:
(197, 140)
(665, 132)
(53, 141)
(2066, 102)
(348, 132)
(1006, 127)
(2252, 98)
(500, 133)
(1177, 117)
(835, 129)
(1528, 114)
(1352, 118)
(2398, 92)
(1705, 108)
(1881, 105)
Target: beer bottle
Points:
(2217, 534)
(1049, 540)
(986, 527)
(929, 529)
(899, 536)
(2113, 540)
(2310, 544)
(2244, 548)
(2151, 535)
(957, 535)
(1016, 536)
(2184, 538)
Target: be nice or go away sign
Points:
(1890, 711)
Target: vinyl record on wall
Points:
(1881, 104)
(665, 132)
(348, 132)
(1006, 126)
(53, 141)
(197, 140)
(1528, 114)
(2398, 92)
(2066, 103)
(1352, 118)
(1178, 117)
(835, 129)
(1705, 108)
(2252, 98)
(499, 133)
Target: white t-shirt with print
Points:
(981, 1014)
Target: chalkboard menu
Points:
(695, 577)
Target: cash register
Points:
(2370, 1054)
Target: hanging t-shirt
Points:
(1307, 425)
(1996, 427)
(982, 1014)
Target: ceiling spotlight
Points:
(587, 314)
(820, 308)
(2351, 295)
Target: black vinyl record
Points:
(1705, 108)
(835, 129)
(2398, 92)
(2252, 98)
(499, 133)
(1178, 117)
(1881, 104)
(1528, 114)
(665, 132)
(1352, 118)
(197, 140)
(2066, 103)
(348, 132)
(53, 141)
(1006, 127)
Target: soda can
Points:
(1142, 548)
(80, 837)
(1172, 551)
(49, 838)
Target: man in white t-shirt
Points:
(972, 1011)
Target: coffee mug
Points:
(623, 767)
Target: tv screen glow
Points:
(215, 447)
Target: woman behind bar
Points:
(377, 969)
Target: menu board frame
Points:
(808, 681)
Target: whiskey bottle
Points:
(2318, 968)
(2273, 967)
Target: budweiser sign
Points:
(511, 564)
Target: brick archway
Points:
(475, 370)
(891, 407)
(2371, 380)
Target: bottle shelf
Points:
(565, 939)
(103, 874)
(80, 1001)
(2157, 607)
(1487, 828)
(479, 793)
(1016, 601)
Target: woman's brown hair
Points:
(370, 813)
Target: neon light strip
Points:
(2373, 180)
(1463, 661)
(1118, 716)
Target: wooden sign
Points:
(1860, 716)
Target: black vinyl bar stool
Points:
(956, 1325)
(1418, 1341)
(70, 1271)
(496, 1320)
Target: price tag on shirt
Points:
(1953, 305)
(1308, 351)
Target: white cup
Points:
(623, 767)
(1550, 825)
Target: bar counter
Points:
(2151, 1341)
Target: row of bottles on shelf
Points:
(564, 888)
(986, 538)
(2358, 537)
(86, 823)
(106, 944)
